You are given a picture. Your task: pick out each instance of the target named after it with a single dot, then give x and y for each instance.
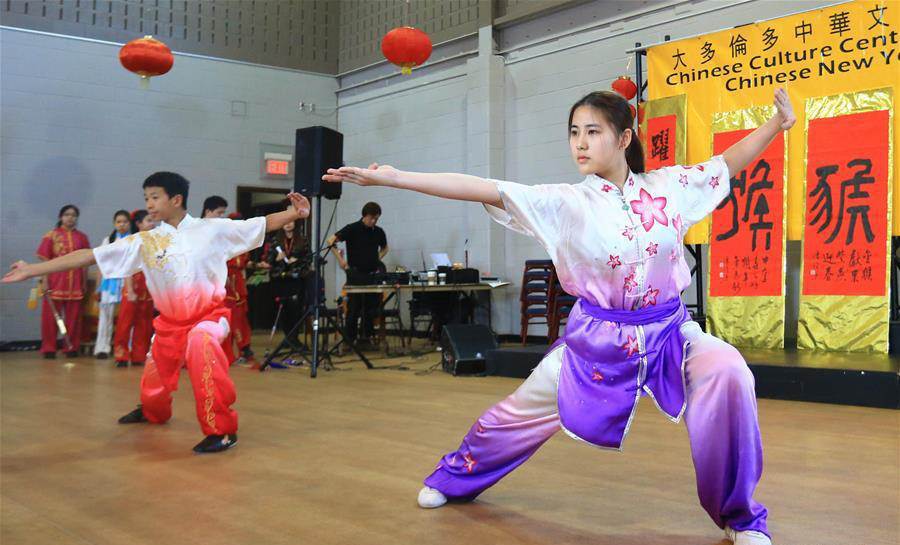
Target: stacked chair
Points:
(543, 300)
(560, 304)
(535, 296)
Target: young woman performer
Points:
(110, 290)
(134, 328)
(65, 290)
(616, 241)
(183, 259)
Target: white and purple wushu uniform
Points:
(629, 335)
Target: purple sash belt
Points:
(611, 358)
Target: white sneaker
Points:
(747, 537)
(429, 498)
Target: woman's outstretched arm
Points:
(738, 156)
(460, 187)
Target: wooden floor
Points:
(339, 460)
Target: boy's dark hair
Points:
(212, 203)
(371, 209)
(170, 182)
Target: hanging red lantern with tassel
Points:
(406, 47)
(146, 57)
(625, 87)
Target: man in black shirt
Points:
(366, 246)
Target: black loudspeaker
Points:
(464, 348)
(317, 149)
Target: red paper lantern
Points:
(406, 47)
(625, 87)
(146, 57)
(633, 112)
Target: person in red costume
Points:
(183, 259)
(135, 321)
(64, 289)
(236, 300)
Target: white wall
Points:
(395, 130)
(76, 127)
(420, 129)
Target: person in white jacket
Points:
(110, 291)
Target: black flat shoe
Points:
(101, 356)
(134, 417)
(215, 443)
(49, 355)
(121, 364)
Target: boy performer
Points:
(183, 260)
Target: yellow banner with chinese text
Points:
(839, 49)
(845, 278)
(747, 242)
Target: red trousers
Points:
(70, 312)
(240, 330)
(199, 344)
(135, 322)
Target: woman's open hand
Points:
(374, 175)
(785, 108)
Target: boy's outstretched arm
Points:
(299, 210)
(21, 270)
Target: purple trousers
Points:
(721, 419)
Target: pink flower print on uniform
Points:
(614, 261)
(630, 283)
(714, 182)
(650, 296)
(470, 462)
(678, 225)
(683, 180)
(607, 188)
(651, 250)
(631, 346)
(630, 181)
(650, 209)
(628, 233)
